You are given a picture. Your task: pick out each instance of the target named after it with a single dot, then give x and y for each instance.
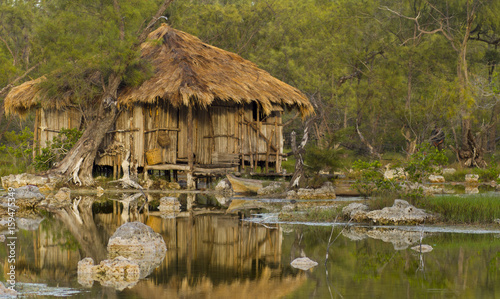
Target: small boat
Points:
(241, 185)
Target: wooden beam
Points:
(251, 124)
(161, 129)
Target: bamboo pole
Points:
(277, 165)
(190, 181)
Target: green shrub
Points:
(423, 161)
(17, 151)
(57, 149)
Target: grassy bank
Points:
(470, 209)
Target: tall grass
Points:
(471, 209)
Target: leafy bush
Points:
(423, 161)
(57, 149)
(17, 151)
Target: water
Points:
(216, 255)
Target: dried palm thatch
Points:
(24, 97)
(187, 71)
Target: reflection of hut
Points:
(203, 110)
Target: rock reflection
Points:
(400, 239)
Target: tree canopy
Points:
(382, 74)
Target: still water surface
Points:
(211, 254)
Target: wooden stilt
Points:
(190, 181)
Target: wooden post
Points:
(278, 164)
(36, 140)
(190, 181)
(250, 143)
(257, 138)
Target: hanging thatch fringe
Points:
(187, 71)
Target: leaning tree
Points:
(94, 48)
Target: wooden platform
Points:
(197, 170)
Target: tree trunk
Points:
(299, 177)
(79, 161)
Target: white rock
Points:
(396, 173)
(357, 211)
(422, 248)
(471, 178)
(401, 212)
(224, 186)
(136, 240)
(449, 171)
(436, 178)
(6, 292)
(303, 263)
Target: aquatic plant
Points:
(463, 209)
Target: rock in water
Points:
(134, 251)
(401, 212)
(422, 248)
(136, 240)
(357, 211)
(6, 292)
(303, 263)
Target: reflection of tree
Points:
(83, 228)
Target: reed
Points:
(464, 209)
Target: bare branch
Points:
(159, 13)
(6, 88)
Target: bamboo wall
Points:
(223, 135)
(48, 123)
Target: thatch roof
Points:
(23, 97)
(188, 71)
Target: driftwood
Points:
(299, 151)
(126, 181)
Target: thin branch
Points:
(159, 13)
(18, 78)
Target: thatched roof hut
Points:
(186, 71)
(202, 105)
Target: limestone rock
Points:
(85, 265)
(136, 240)
(6, 292)
(400, 239)
(118, 273)
(30, 224)
(401, 212)
(24, 179)
(25, 196)
(327, 191)
(423, 248)
(395, 174)
(471, 189)
(63, 195)
(119, 266)
(357, 211)
(224, 187)
(273, 188)
(303, 263)
(436, 178)
(449, 171)
(471, 178)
